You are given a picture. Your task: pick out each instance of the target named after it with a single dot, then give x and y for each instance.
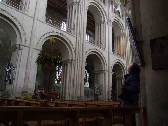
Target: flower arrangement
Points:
(44, 58)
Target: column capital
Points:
(100, 71)
(110, 22)
(68, 61)
(17, 47)
(72, 2)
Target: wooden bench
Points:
(18, 115)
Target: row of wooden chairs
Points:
(57, 103)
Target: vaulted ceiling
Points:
(60, 6)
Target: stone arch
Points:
(65, 48)
(65, 43)
(95, 67)
(15, 25)
(96, 8)
(117, 78)
(99, 55)
(17, 37)
(118, 25)
(120, 63)
(118, 37)
(96, 24)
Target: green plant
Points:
(44, 58)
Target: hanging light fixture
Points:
(52, 40)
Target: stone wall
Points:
(151, 18)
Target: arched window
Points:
(63, 26)
(86, 79)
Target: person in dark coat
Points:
(131, 89)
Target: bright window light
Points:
(87, 37)
(63, 26)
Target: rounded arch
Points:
(96, 9)
(11, 22)
(15, 36)
(120, 63)
(63, 43)
(99, 55)
(94, 75)
(117, 78)
(118, 26)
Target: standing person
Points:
(131, 88)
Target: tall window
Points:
(87, 37)
(63, 26)
(58, 74)
(86, 79)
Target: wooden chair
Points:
(117, 119)
(2, 100)
(91, 121)
(61, 104)
(77, 104)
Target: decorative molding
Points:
(55, 34)
(52, 33)
(68, 61)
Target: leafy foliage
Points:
(44, 58)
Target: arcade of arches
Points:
(90, 55)
(78, 64)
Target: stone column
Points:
(33, 71)
(100, 34)
(30, 51)
(71, 16)
(106, 89)
(119, 45)
(109, 83)
(123, 45)
(103, 35)
(67, 86)
(78, 16)
(42, 10)
(96, 34)
(101, 77)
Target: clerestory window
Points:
(63, 26)
(87, 37)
